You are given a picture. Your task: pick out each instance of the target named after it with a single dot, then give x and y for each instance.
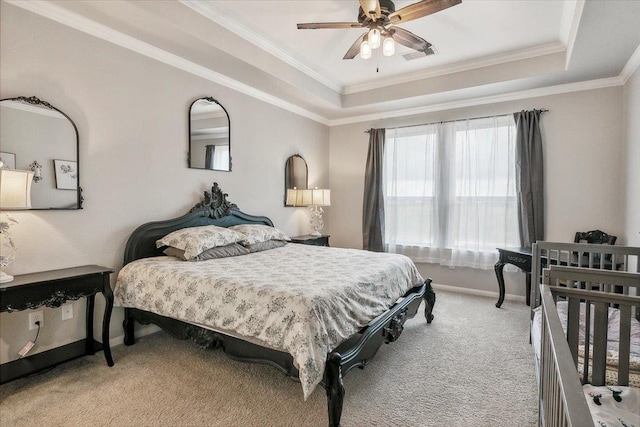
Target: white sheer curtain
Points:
(221, 158)
(450, 191)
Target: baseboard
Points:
(479, 292)
(141, 332)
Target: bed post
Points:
(430, 301)
(127, 324)
(334, 388)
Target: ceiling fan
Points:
(381, 18)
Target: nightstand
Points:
(52, 289)
(322, 240)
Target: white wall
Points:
(632, 157)
(131, 113)
(583, 152)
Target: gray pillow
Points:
(195, 240)
(234, 249)
(263, 246)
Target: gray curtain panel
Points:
(373, 201)
(529, 177)
(209, 156)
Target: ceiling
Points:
(507, 26)
(487, 50)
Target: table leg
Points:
(108, 298)
(528, 296)
(89, 346)
(498, 267)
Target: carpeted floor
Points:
(473, 366)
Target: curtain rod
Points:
(543, 110)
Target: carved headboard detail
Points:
(213, 209)
(214, 204)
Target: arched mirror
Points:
(38, 138)
(209, 136)
(295, 175)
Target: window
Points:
(450, 191)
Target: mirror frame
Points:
(210, 99)
(33, 100)
(306, 184)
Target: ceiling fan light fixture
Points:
(374, 38)
(388, 46)
(365, 50)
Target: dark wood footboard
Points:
(355, 352)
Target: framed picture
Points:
(8, 160)
(66, 174)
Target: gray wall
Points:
(132, 113)
(631, 165)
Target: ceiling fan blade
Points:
(322, 25)
(407, 38)
(354, 50)
(371, 7)
(420, 9)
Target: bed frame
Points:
(561, 399)
(357, 351)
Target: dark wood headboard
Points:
(214, 209)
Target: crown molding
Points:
(491, 99)
(571, 15)
(632, 65)
(473, 64)
(219, 16)
(80, 23)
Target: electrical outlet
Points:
(67, 312)
(36, 316)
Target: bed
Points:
(239, 304)
(587, 381)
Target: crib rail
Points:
(562, 401)
(600, 257)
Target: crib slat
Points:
(600, 326)
(625, 345)
(573, 327)
(587, 343)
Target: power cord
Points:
(37, 332)
(28, 346)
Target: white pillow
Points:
(256, 233)
(195, 240)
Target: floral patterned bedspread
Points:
(301, 299)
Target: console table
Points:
(521, 258)
(321, 240)
(52, 289)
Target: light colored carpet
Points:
(473, 366)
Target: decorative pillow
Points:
(234, 249)
(255, 233)
(263, 246)
(195, 240)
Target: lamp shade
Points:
(388, 46)
(320, 197)
(374, 38)
(365, 50)
(294, 197)
(15, 189)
